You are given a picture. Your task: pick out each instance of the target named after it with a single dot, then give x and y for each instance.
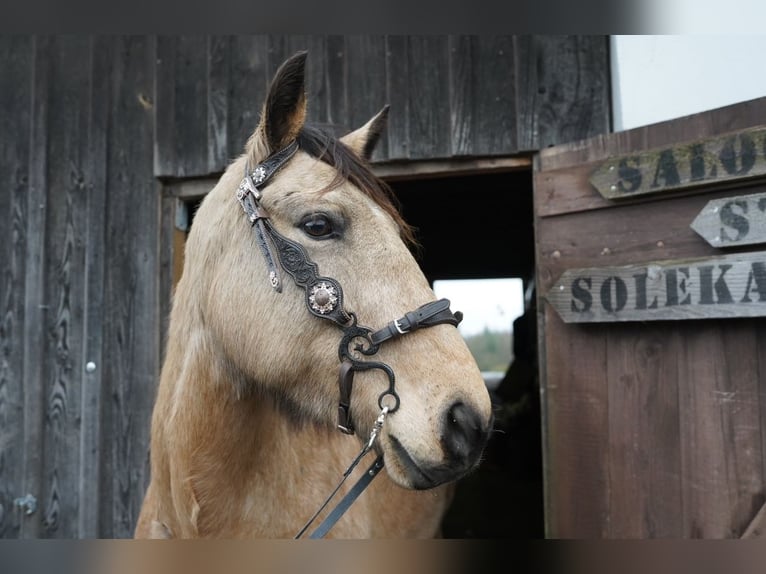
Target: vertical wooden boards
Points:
(397, 78)
(495, 102)
(450, 96)
(131, 323)
(682, 451)
(16, 59)
(644, 453)
(720, 430)
(482, 94)
(246, 89)
(182, 105)
(92, 364)
(428, 88)
(574, 439)
(563, 89)
(35, 306)
(366, 57)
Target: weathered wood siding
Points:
(450, 96)
(652, 429)
(79, 282)
(92, 127)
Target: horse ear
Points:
(284, 111)
(364, 139)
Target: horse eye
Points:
(318, 225)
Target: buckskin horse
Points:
(301, 311)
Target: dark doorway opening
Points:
(480, 226)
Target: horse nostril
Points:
(463, 434)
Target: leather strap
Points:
(249, 196)
(346, 383)
(348, 500)
(428, 315)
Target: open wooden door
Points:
(652, 333)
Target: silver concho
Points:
(323, 298)
(259, 174)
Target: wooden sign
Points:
(733, 157)
(725, 286)
(733, 221)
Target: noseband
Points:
(324, 299)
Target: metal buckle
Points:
(399, 327)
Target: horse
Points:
(265, 356)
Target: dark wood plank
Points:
(165, 90)
(166, 260)
(35, 304)
(428, 90)
(93, 397)
(494, 97)
(248, 80)
(16, 61)
(337, 82)
(182, 102)
(462, 83)
(576, 433)
(218, 59)
(191, 119)
(563, 89)
(366, 89)
(131, 323)
(66, 224)
(720, 430)
(644, 443)
(397, 74)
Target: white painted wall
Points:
(657, 78)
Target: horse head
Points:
(321, 196)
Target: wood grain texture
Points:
(720, 430)
(563, 90)
(428, 90)
(16, 58)
(576, 433)
(366, 61)
(450, 96)
(218, 58)
(67, 186)
(35, 308)
(645, 490)
(131, 323)
(495, 106)
(397, 96)
(93, 397)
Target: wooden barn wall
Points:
(90, 128)
(658, 428)
(450, 96)
(78, 262)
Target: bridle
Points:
(324, 299)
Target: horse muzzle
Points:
(463, 437)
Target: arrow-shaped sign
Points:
(733, 221)
(734, 157)
(714, 287)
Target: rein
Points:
(324, 299)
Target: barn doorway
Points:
(479, 226)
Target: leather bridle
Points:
(324, 299)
